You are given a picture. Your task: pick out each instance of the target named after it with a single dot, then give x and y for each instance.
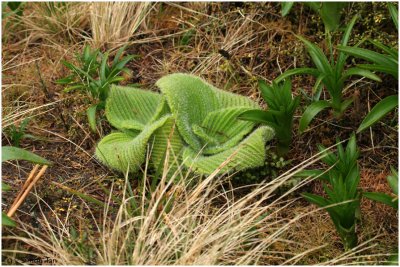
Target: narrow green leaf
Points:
(378, 111)
(383, 198)
(310, 71)
(15, 153)
(315, 199)
(394, 13)
(91, 115)
(286, 7)
(360, 72)
(311, 111)
(7, 221)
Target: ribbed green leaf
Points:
(132, 108)
(223, 124)
(190, 100)
(166, 137)
(249, 153)
(311, 111)
(121, 151)
(15, 153)
(378, 111)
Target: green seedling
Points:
(94, 76)
(341, 186)
(331, 75)
(280, 113)
(18, 133)
(386, 62)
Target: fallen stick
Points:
(27, 182)
(26, 192)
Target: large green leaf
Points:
(225, 128)
(249, 153)
(121, 150)
(191, 99)
(15, 153)
(132, 108)
(378, 111)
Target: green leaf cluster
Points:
(341, 187)
(94, 76)
(387, 62)
(280, 112)
(195, 122)
(329, 74)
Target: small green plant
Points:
(330, 12)
(341, 186)
(280, 113)
(94, 77)
(387, 63)
(329, 74)
(207, 133)
(17, 133)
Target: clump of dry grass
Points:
(57, 22)
(114, 23)
(181, 222)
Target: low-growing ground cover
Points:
(81, 210)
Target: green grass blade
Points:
(378, 111)
(383, 198)
(391, 51)
(15, 153)
(310, 71)
(360, 72)
(368, 55)
(394, 13)
(311, 111)
(91, 115)
(286, 7)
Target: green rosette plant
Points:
(196, 120)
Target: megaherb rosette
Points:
(197, 123)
